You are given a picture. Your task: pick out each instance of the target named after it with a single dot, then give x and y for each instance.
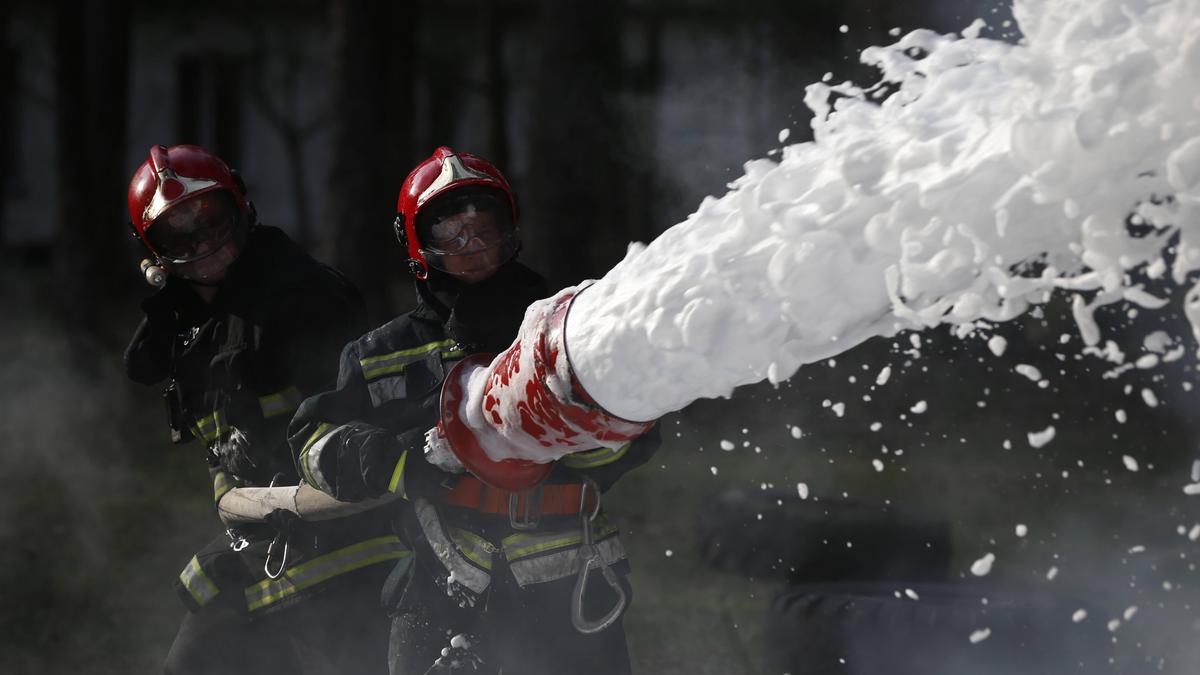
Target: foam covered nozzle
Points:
(508, 419)
(153, 273)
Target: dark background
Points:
(612, 120)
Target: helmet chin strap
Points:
(439, 291)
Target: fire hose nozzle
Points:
(529, 399)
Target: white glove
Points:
(439, 454)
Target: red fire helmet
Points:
(171, 176)
(444, 171)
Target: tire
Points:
(864, 629)
(802, 541)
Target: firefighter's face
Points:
(197, 239)
(467, 245)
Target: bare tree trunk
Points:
(293, 131)
(497, 85)
(91, 77)
(293, 145)
(576, 220)
(372, 146)
(8, 85)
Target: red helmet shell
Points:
(171, 176)
(444, 171)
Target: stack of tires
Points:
(868, 592)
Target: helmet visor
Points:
(195, 228)
(467, 231)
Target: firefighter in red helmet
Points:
(489, 587)
(243, 327)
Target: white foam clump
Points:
(1030, 372)
(980, 635)
(1149, 398)
(983, 566)
(997, 344)
(883, 376)
(995, 174)
(1039, 438)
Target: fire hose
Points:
(253, 504)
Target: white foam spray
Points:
(993, 176)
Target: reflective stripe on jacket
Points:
(197, 578)
(534, 557)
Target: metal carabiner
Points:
(271, 547)
(589, 558)
(282, 562)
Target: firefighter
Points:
(243, 327)
(490, 583)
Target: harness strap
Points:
(555, 500)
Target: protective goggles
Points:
(466, 225)
(194, 229)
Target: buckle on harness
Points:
(531, 515)
(237, 541)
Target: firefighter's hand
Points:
(285, 521)
(422, 478)
(439, 453)
(235, 454)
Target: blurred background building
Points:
(612, 120)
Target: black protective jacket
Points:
(365, 438)
(239, 366)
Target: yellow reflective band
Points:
(198, 585)
(280, 402)
(454, 354)
(477, 549)
(217, 423)
(222, 483)
(594, 458)
(321, 430)
(383, 364)
(397, 473)
(385, 370)
(514, 550)
(323, 568)
(423, 349)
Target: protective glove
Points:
(148, 357)
(287, 525)
(285, 522)
(438, 453)
(235, 454)
(424, 478)
(160, 306)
